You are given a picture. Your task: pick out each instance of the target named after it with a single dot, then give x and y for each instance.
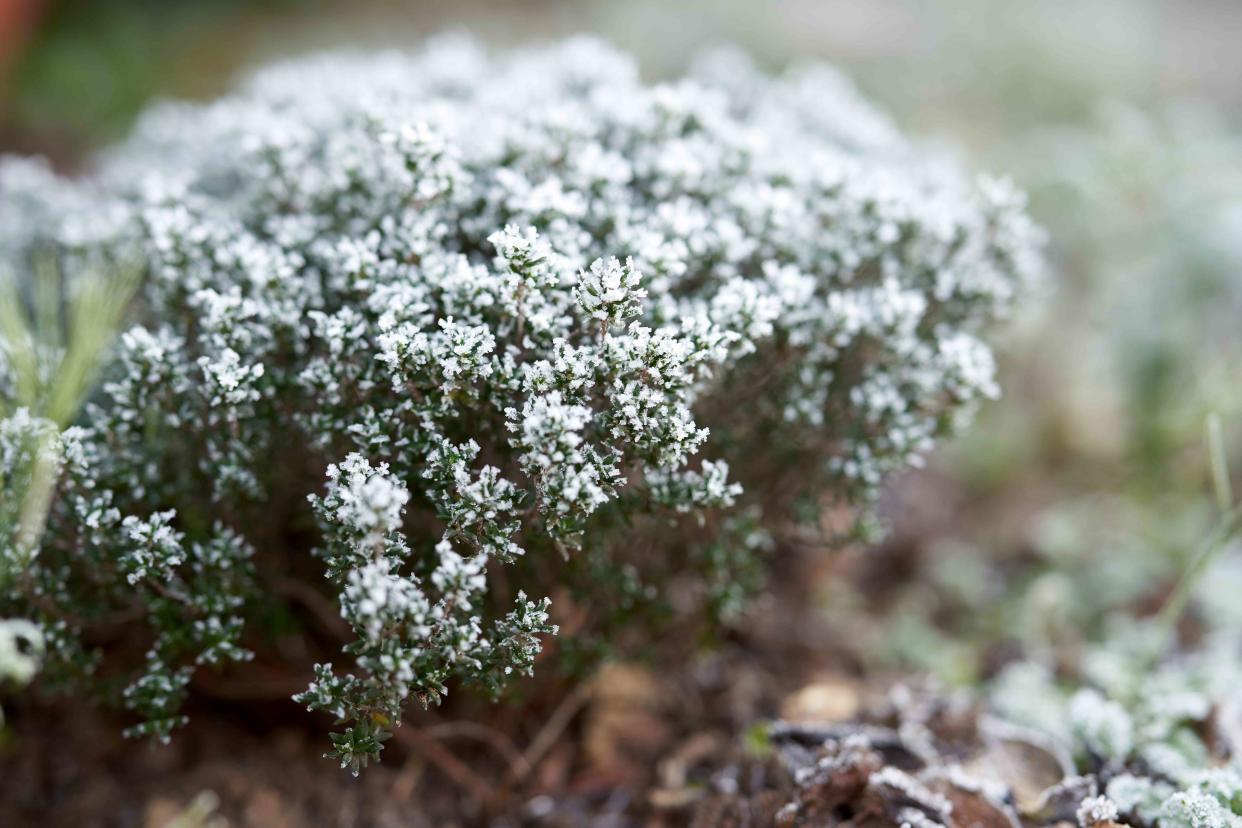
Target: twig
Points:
(430, 748)
(549, 733)
(479, 733)
(325, 612)
(403, 786)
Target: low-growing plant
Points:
(456, 334)
(1159, 739)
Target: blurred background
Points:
(1083, 492)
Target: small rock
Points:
(829, 699)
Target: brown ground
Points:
(680, 743)
(634, 747)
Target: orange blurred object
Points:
(17, 19)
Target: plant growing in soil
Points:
(442, 335)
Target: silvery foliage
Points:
(1138, 724)
(471, 307)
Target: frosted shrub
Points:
(514, 328)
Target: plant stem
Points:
(1220, 464)
(1226, 528)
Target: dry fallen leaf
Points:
(827, 699)
(1023, 760)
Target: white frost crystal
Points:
(1095, 810)
(368, 500)
(608, 291)
(1103, 725)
